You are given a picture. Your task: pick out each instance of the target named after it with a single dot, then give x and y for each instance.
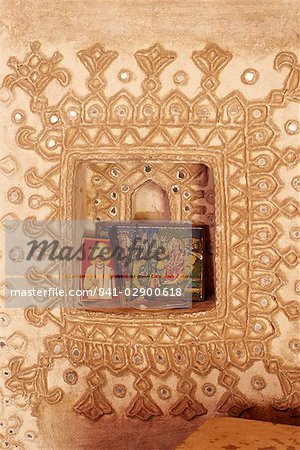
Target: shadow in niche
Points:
(150, 202)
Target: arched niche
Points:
(150, 202)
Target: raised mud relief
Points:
(220, 156)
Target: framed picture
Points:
(99, 273)
(163, 264)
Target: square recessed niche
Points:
(116, 190)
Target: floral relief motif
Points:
(31, 382)
(188, 408)
(291, 89)
(95, 59)
(211, 61)
(231, 135)
(153, 61)
(35, 73)
(143, 408)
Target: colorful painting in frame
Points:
(99, 273)
(163, 263)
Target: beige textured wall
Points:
(171, 370)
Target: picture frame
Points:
(182, 269)
(100, 277)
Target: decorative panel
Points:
(76, 111)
